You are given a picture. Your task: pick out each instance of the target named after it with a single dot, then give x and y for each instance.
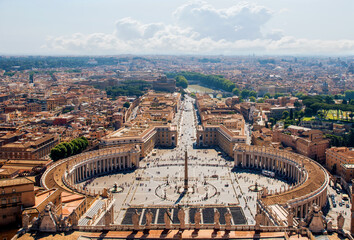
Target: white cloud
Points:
(199, 29)
(241, 21)
(130, 29)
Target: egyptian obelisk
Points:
(185, 171)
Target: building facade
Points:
(308, 142)
(34, 147)
(340, 161)
(15, 194)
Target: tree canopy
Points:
(213, 81)
(128, 88)
(181, 81)
(67, 149)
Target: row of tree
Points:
(346, 140)
(212, 81)
(322, 104)
(67, 149)
(128, 88)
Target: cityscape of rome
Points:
(192, 120)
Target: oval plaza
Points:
(165, 170)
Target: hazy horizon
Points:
(224, 27)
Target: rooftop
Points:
(16, 181)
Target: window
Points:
(14, 199)
(3, 201)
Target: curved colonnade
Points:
(311, 179)
(85, 166)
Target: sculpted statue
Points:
(265, 191)
(149, 215)
(25, 221)
(228, 216)
(290, 218)
(197, 218)
(74, 218)
(216, 219)
(258, 219)
(340, 222)
(135, 219)
(181, 216)
(330, 226)
(167, 219)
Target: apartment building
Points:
(306, 141)
(341, 160)
(15, 194)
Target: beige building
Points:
(15, 194)
(33, 147)
(308, 142)
(150, 126)
(342, 159)
(147, 137)
(221, 126)
(219, 135)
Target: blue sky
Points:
(85, 27)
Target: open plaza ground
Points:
(159, 180)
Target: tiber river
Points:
(200, 89)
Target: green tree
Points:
(181, 81)
(69, 149)
(85, 141)
(245, 93)
(285, 115)
(236, 91)
(271, 121)
(253, 94)
(299, 94)
(58, 152)
(349, 94)
(291, 113)
(297, 104)
(55, 154)
(320, 114)
(329, 99)
(126, 105)
(252, 99)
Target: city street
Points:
(341, 206)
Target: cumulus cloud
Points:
(130, 29)
(199, 29)
(243, 21)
